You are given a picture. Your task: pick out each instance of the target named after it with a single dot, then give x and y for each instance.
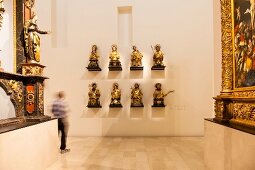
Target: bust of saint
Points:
(136, 57)
(158, 56)
(136, 96)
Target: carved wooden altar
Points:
(234, 105)
(26, 94)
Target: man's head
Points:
(61, 95)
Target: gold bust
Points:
(136, 96)
(136, 57)
(158, 95)
(93, 59)
(94, 96)
(158, 56)
(114, 57)
(115, 95)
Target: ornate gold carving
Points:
(219, 109)
(32, 70)
(244, 113)
(1, 12)
(227, 46)
(15, 90)
(30, 97)
(244, 94)
(41, 98)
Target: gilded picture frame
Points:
(236, 102)
(243, 39)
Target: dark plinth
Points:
(137, 105)
(94, 69)
(115, 105)
(136, 68)
(234, 126)
(20, 125)
(11, 121)
(37, 118)
(158, 105)
(115, 68)
(94, 106)
(158, 67)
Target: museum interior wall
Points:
(7, 40)
(186, 36)
(217, 46)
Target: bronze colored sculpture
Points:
(115, 64)
(136, 59)
(159, 96)
(32, 40)
(93, 60)
(115, 96)
(158, 57)
(136, 96)
(94, 96)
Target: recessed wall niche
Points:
(125, 25)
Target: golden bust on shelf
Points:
(93, 60)
(136, 57)
(159, 96)
(136, 96)
(32, 40)
(115, 96)
(94, 96)
(158, 57)
(114, 59)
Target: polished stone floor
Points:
(134, 153)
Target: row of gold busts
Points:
(136, 58)
(136, 96)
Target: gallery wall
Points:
(7, 41)
(185, 32)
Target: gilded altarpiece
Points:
(236, 103)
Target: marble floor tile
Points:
(134, 153)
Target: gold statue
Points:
(114, 59)
(158, 57)
(94, 96)
(116, 96)
(136, 58)
(93, 60)
(136, 96)
(32, 40)
(158, 96)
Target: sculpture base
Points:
(137, 105)
(32, 69)
(94, 69)
(115, 105)
(158, 105)
(133, 68)
(37, 118)
(94, 106)
(158, 67)
(115, 68)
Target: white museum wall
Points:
(6, 34)
(7, 109)
(30, 148)
(185, 32)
